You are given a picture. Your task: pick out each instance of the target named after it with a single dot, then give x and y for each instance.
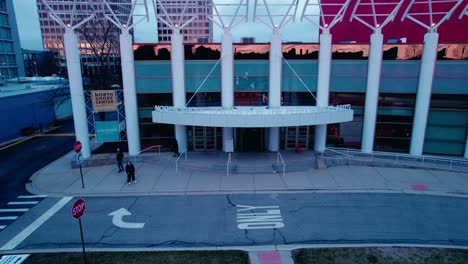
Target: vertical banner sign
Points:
(78, 209)
(104, 101)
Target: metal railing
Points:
(177, 161)
(279, 158)
(134, 159)
(228, 164)
(403, 159)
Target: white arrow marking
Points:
(117, 219)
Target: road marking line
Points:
(36, 224)
(57, 135)
(14, 210)
(2, 226)
(8, 217)
(31, 196)
(41, 147)
(23, 203)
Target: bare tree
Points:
(102, 48)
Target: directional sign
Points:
(78, 208)
(77, 146)
(117, 219)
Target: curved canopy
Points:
(257, 116)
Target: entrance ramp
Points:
(250, 163)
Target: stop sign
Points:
(78, 208)
(77, 147)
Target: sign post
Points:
(77, 147)
(77, 211)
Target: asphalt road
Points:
(231, 220)
(19, 161)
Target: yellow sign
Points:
(104, 101)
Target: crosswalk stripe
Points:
(2, 227)
(8, 217)
(22, 203)
(36, 224)
(31, 196)
(14, 210)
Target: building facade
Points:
(446, 132)
(98, 40)
(11, 59)
(198, 31)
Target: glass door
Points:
(296, 136)
(204, 138)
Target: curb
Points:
(224, 248)
(266, 191)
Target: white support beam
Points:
(68, 20)
(423, 96)
(464, 12)
(227, 84)
(323, 86)
(277, 12)
(428, 62)
(313, 13)
(374, 19)
(178, 84)
(421, 18)
(229, 14)
(372, 92)
(119, 14)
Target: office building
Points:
(11, 58)
(198, 31)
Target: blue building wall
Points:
(21, 111)
(451, 77)
(447, 126)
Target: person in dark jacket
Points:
(119, 158)
(130, 169)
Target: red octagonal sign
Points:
(78, 208)
(77, 146)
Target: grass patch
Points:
(381, 255)
(170, 257)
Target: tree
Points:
(101, 50)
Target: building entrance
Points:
(250, 139)
(204, 138)
(296, 136)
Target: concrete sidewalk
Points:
(249, 173)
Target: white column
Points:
(423, 96)
(323, 86)
(80, 119)
(178, 84)
(274, 92)
(372, 92)
(227, 84)
(130, 100)
(466, 148)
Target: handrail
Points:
(177, 160)
(228, 163)
(146, 149)
(278, 158)
(400, 157)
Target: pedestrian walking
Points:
(130, 169)
(119, 158)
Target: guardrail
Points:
(278, 158)
(134, 159)
(228, 163)
(177, 161)
(404, 159)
